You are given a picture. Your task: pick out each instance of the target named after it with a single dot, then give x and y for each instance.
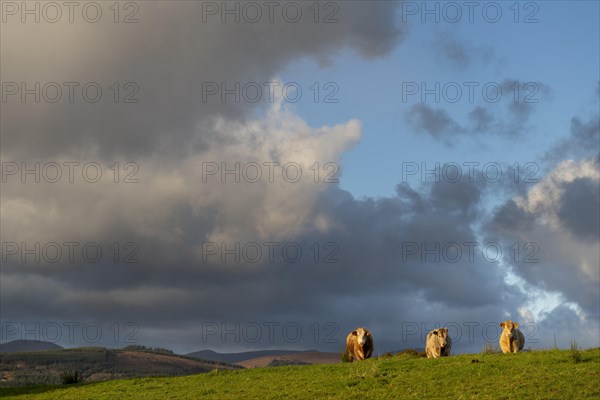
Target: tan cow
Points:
(359, 344)
(511, 339)
(438, 343)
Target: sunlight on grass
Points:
(536, 374)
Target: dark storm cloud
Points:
(373, 282)
(579, 209)
(510, 216)
(168, 55)
(462, 197)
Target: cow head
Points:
(361, 335)
(509, 328)
(441, 335)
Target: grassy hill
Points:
(237, 358)
(298, 358)
(552, 374)
(96, 364)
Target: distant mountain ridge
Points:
(235, 358)
(298, 358)
(97, 364)
(16, 346)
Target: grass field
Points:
(552, 374)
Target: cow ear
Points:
(446, 331)
(516, 324)
(354, 333)
(435, 332)
(368, 333)
(502, 324)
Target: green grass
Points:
(548, 374)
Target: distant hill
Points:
(234, 358)
(297, 358)
(27, 345)
(96, 364)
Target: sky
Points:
(249, 175)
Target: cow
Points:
(511, 339)
(359, 344)
(438, 343)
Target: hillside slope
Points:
(95, 364)
(234, 358)
(305, 357)
(531, 375)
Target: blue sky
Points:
(564, 43)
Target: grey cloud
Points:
(371, 275)
(510, 217)
(559, 221)
(459, 54)
(579, 209)
(411, 197)
(586, 135)
(454, 51)
(561, 216)
(461, 196)
(435, 122)
(583, 141)
(170, 294)
(561, 323)
(509, 117)
(168, 54)
(524, 97)
(481, 119)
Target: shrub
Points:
(344, 356)
(70, 376)
(575, 352)
(489, 349)
(156, 350)
(412, 353)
